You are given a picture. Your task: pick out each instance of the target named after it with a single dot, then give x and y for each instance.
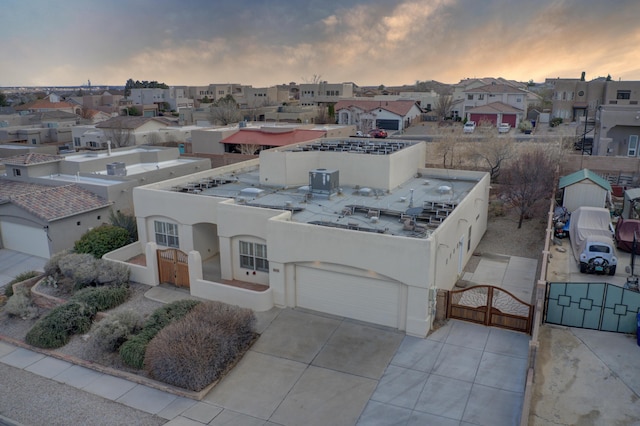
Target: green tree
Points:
(101, 240)
(3, 99)
(134, 111)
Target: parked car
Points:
(504, 128)
(469, 127)
(378, 133)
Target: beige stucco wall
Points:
(289, 169)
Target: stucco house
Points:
(128, 131)
(367, 115)
(495, 103)
(41, 219)
(354, 228)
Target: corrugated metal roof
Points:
(581, 175)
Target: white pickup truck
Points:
(591, 234)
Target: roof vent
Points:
(365, 192)
(444, 189)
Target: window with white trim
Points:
(254, 256)
(166, 234)
(633, 146)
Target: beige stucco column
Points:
(226, 265)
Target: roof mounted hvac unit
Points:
(117, 169)
(324, 182)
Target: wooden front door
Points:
(173, 267)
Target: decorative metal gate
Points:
(489, 305)
(598, 306)
(173, 267)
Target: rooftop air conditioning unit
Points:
(117, 169)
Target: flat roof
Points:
(90, 156)
(97, 180)
(414, 209)
(134, 169)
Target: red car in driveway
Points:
(378, 133)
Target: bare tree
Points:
(493, 151)
(154, 138)
(448, 146)
(314, 79)
(443, 106)
(225, 111)
(119, 135)
(528, 179)
(322, 115)
(249, 149)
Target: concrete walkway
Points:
(313, 369)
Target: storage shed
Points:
(584, 188)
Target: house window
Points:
(254, 256)
(167, 234)
(469, 240)
(633, 146)
(76, 141)
(34, 141)
(481, 97)
(17, 172)
(470, 97)
(623, 94)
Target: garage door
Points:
(509, 118)
(350, 296)
(479, 118)
(388, 124)
(25, 239)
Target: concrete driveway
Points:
(13, 263)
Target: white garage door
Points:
(350, 296)
(25, 239)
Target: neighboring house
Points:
(323, 93)
(41, 128)
(127, 131)
(584, 188)
(175, 97)
(495, 103)
(253, 140)
(353, 228)
(367, 115)
(111, 174)
(42, 220)
(51, 103)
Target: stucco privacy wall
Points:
(287, 169)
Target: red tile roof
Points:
(400, 108)
(31, 158)
(50, 202)
(43, 104)
(264, 137)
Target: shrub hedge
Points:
(101, 240)
(56, 328)
(132, 351)
(114, 330)
(74, 317)
(195, 351)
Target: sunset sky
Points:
(268, 42)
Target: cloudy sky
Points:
(268, 42)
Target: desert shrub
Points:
(556, 121)
(81, 269)
(56, 328)
(8, 290)
(126, 221)
(114, 330)
(51, 268)
(133, 350)
(102, 298)
(20, 305)
(101, 240)
(195, 351)
(113, 274)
